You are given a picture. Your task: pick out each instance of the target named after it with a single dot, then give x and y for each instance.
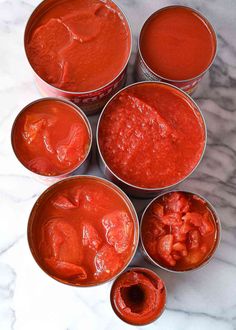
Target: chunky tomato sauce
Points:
(179, 231)
(79, 46)
(82, 231)
(151, 135)
(177, 43)
(50, 137)
(138, 296)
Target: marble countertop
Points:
(201, 300)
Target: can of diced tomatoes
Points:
(179, 231)
(79, 51)
(177, 45)
(52, 139)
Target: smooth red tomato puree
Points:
(50, 137)
(177, 43)
(151, 135)
(138, 296)
(82, 231)
(79, 46)
(179, 231)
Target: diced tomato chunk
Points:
(207, 226)
(158, 210)
(155, 227)
(181, 248)
(172, 219)
(61, 201)
(119, 229)
(106, 262)
(165, 244)
(194, 239)
(66, 269)
(176, 202)
(193, 218)
(91, 237)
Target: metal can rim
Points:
(79, 111)
(128, 202)
(84, 92)
(218, 229)
(142, 189)
(208, 24)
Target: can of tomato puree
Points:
(47, 135)
(154, 211)
(177, 45)
(90, 47)
(150, 137)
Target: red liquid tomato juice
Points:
(180, 231)
(51, 137)
(83, 231)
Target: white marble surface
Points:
(202, 300)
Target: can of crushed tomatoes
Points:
(138, 143)
(52, 139)
(177, 45)
(179, 244)
(85, 64)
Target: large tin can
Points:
(144, 72)
(130, 189)
(217, 238)
(81, 168)
(90, 101)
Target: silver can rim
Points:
(84, 92)
(218, 238)
(145, 269)
(142, 189)
(126, 199)
(83, 116)
(208, 24)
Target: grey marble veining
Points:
(201, 300)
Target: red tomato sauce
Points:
(138, 296)
(50, 137)
(179, 231)
(79, 46)
(151, 135)
(82, 231)
(177, 43)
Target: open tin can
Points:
(78, 169)
(131, 189)
(144, 72)
(191, 239)
(90, 101)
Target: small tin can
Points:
(48, 180)
(144, 72)
(217, 238)
(132, 190)
(135, 296)
(54, 188)
(90, 101)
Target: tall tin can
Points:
(91, 101)
(79, 169)
(144, 72)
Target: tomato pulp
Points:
(50, 137)
(151, 135)
(177, 43)
(79, 46)
(82, 231)
(179, 231)
(138, 296)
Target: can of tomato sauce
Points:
(138, 296)
(52, 139)
(177, 44)
(83, 231)
(179, 231)
(150, 137)
(79, 50)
